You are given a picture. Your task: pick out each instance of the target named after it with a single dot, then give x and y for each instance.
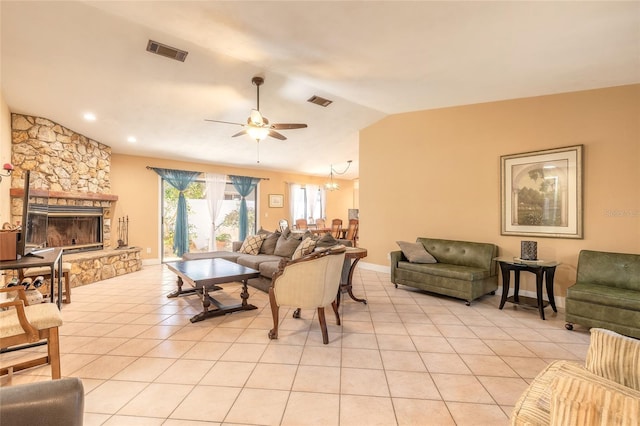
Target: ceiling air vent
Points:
(319, 101)
(166, 51)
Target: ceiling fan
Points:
(258, 126)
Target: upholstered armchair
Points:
(310, 282)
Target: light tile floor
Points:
(406, 357)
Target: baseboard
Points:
(150, 262)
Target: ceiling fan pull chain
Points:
(258, 151)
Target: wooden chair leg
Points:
(334, 304)
(275, 313)
(67, 288)
(53, 348)
(323, 326)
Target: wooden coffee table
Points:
(204, 275)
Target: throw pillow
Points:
(326, 240)
(269, 243)
(416, 253)
(285, 246)
(252, 244)
(304, 248)
(614, 357)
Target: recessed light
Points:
(89, 116)
(131, 139)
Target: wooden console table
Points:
(51, 258)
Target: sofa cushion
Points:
(270, 241)
(304, 248)
(267, 269)
(466, 273)
(252, 244)
(415, 252)
(605, 295)
(253, 261)
(614, 357)
(287, 243)
(581, 401)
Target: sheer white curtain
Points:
(296, 202)
(306, 201)
(215, 196)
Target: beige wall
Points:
(436, 173)
(5, 157)
(139, 196)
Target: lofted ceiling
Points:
(60, 59)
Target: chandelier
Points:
(334, 186)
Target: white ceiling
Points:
(61, 59)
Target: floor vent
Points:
(319, 101)
(166, 51)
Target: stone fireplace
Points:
(75, 228)
(70, 174)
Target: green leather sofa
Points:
(465, 270)
(606, 293)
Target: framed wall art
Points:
(276, 200)
(541, 193)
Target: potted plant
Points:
(222, 240)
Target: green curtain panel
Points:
(180, 180)
(244, 185)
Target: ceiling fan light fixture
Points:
(258, 133)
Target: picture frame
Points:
(541, 193)
(276, 200)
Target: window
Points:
(200, 221)
(307, 202)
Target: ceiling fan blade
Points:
(288, 126)
(225, 122)
(256, 118)
(240, 133)
(277, 135)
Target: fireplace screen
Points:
(75, 228)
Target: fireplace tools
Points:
(123, 232)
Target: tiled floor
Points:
(405, 358)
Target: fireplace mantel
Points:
(19, 192)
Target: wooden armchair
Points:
(302, 224)
(22, 324)
(320, 223)
(309, 282)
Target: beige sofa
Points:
(275, 247)
(605, 391)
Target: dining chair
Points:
(320, 223)
(21, 323)
(301, 224)
(309, 282)
(352, 231)
(336, 228)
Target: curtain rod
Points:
(253, 177)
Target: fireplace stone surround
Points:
(70, 170)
